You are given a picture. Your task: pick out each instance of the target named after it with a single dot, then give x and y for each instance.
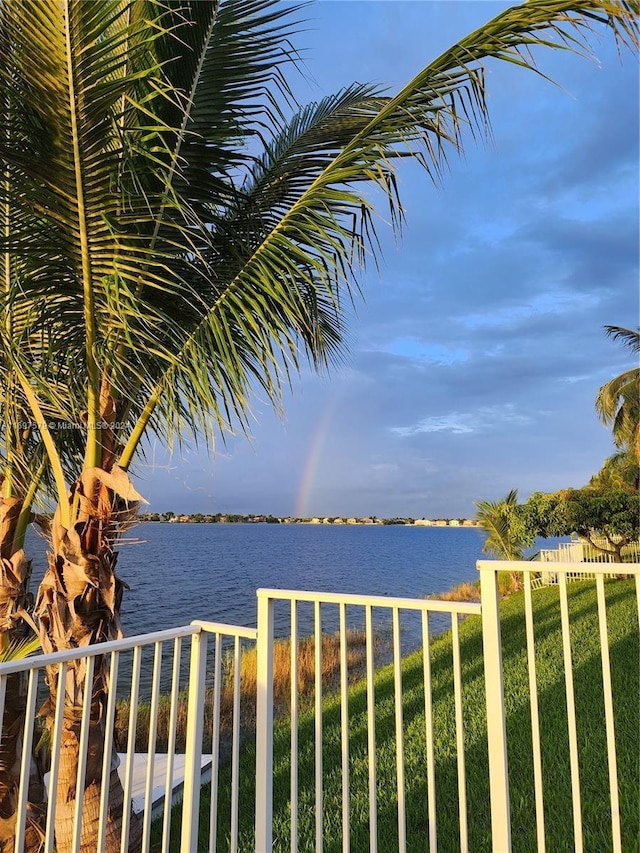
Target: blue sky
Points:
(476, 355)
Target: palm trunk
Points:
(14, 570)
(78, 605)
(66, 802)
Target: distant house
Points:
(352, 521)
(423, 522)
(454, 522)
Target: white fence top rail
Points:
(127, 643)
(227, 630)
(468, 607)
(558, 568)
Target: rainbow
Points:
(310, 467)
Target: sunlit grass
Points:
(625, 658)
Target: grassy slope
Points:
(625, 659)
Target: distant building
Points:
(423, 522)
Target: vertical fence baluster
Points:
(107, 757)
(264, 725)
(496, 723)
(608, 715)
(294, 726)
(318, 722)
(215, 744)
(428, 719)
(535, 718)
(151, 751)
(397, 684)
(235, 746)
(571, 713)
(344, 727)
(457, 691)
(371, 733)
(3, 696)
(131, 748)
(82, 753)
(25, 763)
(171, 744)
(193, 748)
(56, 735)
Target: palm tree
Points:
(618, 401)
(504, 541)
(506, 534)
(172, 242)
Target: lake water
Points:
(181, 572)
(211, 571)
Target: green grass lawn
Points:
(625, 662)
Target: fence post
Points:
(193, 746)
(496, 721)
(264, 725)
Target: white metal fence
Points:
(361, 610)
(502, 834)
(581, 551)
(196, 674)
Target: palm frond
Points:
(629, 337)
(154, 253)
(618, 401)
(301, 224)
(19, 649)
(496, 518)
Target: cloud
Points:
(464, 423)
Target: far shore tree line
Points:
(235, 518)
(606, 512)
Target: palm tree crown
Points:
(618, 401)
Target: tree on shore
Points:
(170, 242)
(506, 537)
(507, 534)
(607, 520)
(618, 401)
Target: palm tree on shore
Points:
(172, 242)
(504, 541)
(507, 536)
(618, 401)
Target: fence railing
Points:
(365, 612)
(564, 572)
(346, 687)
(154, 717)
(586, 552)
